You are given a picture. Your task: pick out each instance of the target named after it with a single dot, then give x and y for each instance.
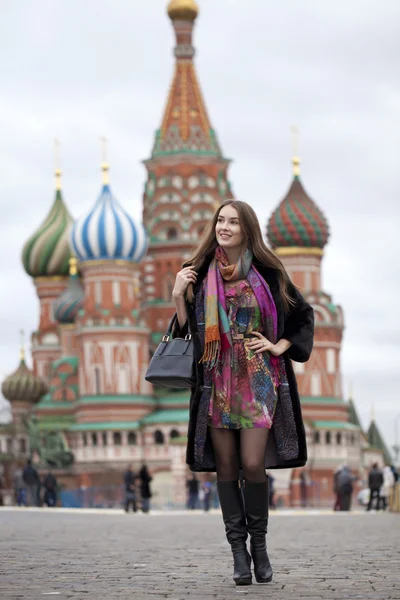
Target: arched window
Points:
(172, 234)
(169, 283)
(174, 434)
(117, 439)
(158, 437)
(22, 445)
(317, 437)
(328, 437)
(104, 437)
(94, 439)
(132, 438)
(352, 439)
(338, 438)
(85, 440)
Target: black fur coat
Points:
(286, 445)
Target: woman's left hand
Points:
(261, 344)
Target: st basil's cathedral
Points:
(104, 284)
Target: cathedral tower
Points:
(187, 176)
(298, 232)
(45, 258)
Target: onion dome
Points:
(46, 253)
(69, 302)
(107, 232)
(182, 10)
(23, 385)
(297, 221)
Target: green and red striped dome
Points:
(47, 252)
(23, 385)
(297, 221)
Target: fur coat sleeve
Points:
(299, 327)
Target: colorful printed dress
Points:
(248, 397)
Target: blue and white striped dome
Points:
(108, 232)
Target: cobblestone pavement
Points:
(185, 556)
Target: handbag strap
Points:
(171, 326)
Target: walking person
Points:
(375, 482)
(32, 484)
(19, 487)
(145, 492)
(50, 490)
(207, 489)
(130, 489)
(345, 480)
(193, 487)
(387, 487)
(247, 322)
(336, 492)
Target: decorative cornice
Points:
(293, 250)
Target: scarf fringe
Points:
(212, 352)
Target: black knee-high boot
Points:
(231, 501)
(256, 510)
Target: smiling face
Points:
(227, 230)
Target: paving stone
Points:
(55, 554)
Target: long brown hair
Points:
(253, 239)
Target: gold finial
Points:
(182, 10)
(73, 265)
(104, 166)
(295, 144)
(22, 345)
(57, 170)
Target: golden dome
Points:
(184, 10)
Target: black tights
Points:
(252, 453)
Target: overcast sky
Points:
(77, 70)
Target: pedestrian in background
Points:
(375, 482)
(207, 489)
(130, 489)
(50, 490)
(345, 481)
(193, 488)
(19, 487)
(387, 487)
(336, 492)
(145, 492)
(271, 486)
(32, 484)
(248, 321)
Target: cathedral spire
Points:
(185, 126)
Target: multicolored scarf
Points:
(218, 338)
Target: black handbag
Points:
(172, 364)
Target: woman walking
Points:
(247, 321)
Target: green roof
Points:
(64, 405)
(336, 425)
(105, 426)
(376, 441)
(353, 415)
(117, 399)
(176, 415)
(179, 397)
(320, 400)
(70, 360)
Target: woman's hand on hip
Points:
(261, 344)
(183, 279)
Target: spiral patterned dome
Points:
(23, 385)
(297, 221)
(69, 302)
(46, 253)
(107, 232)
